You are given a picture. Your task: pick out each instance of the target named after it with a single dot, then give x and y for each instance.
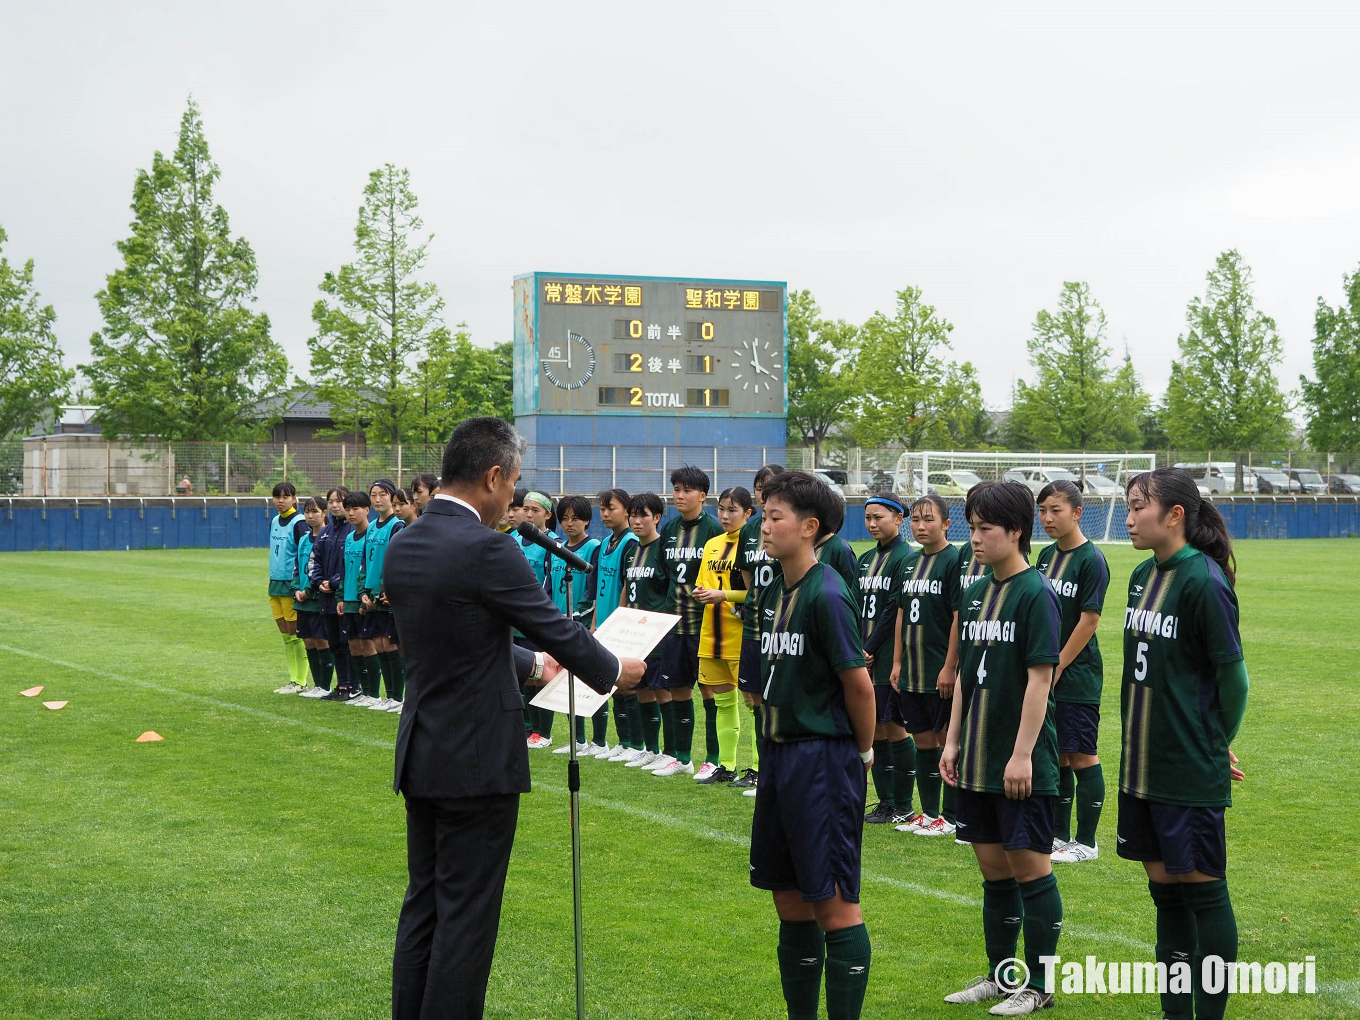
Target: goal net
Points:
(1101, 477)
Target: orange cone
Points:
(32, 692)
(148, 737)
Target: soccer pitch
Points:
(252, 864)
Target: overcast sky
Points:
(852, 149)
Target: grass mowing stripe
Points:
(201, 698)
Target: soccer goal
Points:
(1101, 477)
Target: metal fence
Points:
(84, 465)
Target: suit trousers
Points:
(457, 853)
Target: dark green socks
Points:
(1090, 797)
(847, 972)
(1062, 812)
(668, 726)
(928, 781)
(1043, 925)
(1002, 912)
(684, 730)
(636, 739)
(394, 672)
(651, 726)
(711, 731)
(802, 953)
(1175, 944)
(1216, 929)
(881, 770)
(904, 773)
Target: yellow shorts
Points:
(282, 608)
(715, 672)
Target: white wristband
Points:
(867, 756)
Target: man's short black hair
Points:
(577, 506)
(357, 498)
(1008, 505)
(687, 476)
(646, 503)
(285, 489)
(476, 446)
(618, 496)
(807, 496)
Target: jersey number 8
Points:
(915, 610)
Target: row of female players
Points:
(326, 590)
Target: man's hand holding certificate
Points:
(629, 634)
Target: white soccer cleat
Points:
(594, 750)
(705, 770)
(1058, 844)
(538, 741)
(289, 688)
(662, 760)
(396, 709)
(313, 692)
(675, 768)
(913, 823)
(620, 753)
(566, 749)
(749, 793)
(1026, 1000)
(381, 705)
(1075, 853)
(362, 701)
(937, 827)
(980, 989)
(641, 760)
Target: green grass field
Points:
(252, 865)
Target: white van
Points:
(1220, 476)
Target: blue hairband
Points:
(891, 504)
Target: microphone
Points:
(531, 534)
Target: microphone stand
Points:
(574, 793)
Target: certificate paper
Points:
(629, 634)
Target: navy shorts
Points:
(748, 673)
(352, 626)
(925, 711)
(334, 632)
(1078, 728)
(656, 678)
(309, 624)
(809, 819)
(1184, 839)
(886, 705)
(384, 625)
(680, 661)
(1015, 824)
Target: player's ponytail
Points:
(1205, 528)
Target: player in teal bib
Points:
(577, 601)
(536, 510)
(1184, 695)
(609, 567)
(307, 601)
(1077, 571)
(285, 530)
(380, 627)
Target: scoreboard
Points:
(649, 346)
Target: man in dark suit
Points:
(458, 588)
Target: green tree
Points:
(821, 389)
(904, 384)
(1223, 393)
(378, 319)
(182, 356)
(460, 380)
(1333, 398)
(1077, 401)
(33, 381)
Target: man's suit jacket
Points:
(458, 589)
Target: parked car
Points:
(1273, 482)
(1345, 485)
(952, 483)
(1309, 480)
(1220, 476)
(1037, 477)
(830, 483)
(1099, 485)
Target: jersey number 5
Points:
(1140, 667)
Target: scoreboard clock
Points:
(589, 344)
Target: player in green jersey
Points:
(646, 585)
(835, 551)
(878, 570)
(378, 625)
(682, 544)
(757, 570)
(1183, 698)
(926, 664)
(1002, 748)
(807, 831)
(1079, 575)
